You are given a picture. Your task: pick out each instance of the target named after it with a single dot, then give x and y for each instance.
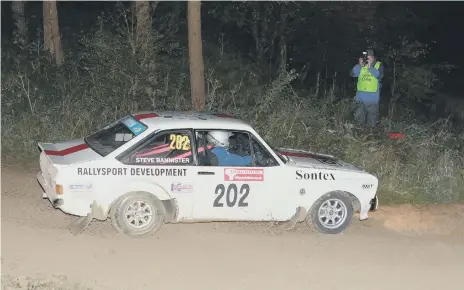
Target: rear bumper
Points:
(69, 203)
(48, 192)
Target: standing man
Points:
(369, 72)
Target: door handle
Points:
(206, 173)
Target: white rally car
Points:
(150, 168)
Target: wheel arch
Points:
(314, 221)
(170, 204)
(354, 200)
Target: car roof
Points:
(190, 119)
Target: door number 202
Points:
(232, 195)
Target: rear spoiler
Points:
(45, 146)
(57, 156)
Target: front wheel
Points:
(138, 214)
(331, 214)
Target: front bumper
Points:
(368, 205)
(374, 203)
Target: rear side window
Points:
(165, 148)
(114, 135)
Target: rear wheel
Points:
(138, 214)
(331, 214)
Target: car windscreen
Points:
(114, 135)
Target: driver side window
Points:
(262, 157)
(224, 148)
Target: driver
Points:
(220, 141)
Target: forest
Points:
(69, 68)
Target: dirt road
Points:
(397, 248)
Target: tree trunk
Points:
(197, 69)
(20, 33)
(52, 38)
(143, 29)
(47, 33)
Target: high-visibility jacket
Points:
(366, 81)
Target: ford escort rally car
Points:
(151, 168)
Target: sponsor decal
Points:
(132, 171)
(367, 186)
(243, 174)
(181, 187)
(133, 125)
(80, 186)
(159, 160)
(314, 175)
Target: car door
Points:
(169, 155)
(233, 191)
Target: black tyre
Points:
(138, 214)
(374, 204)
(331, 214)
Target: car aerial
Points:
(151, 168)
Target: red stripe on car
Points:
(165, 148)
(155, 150)
(146, 116)
(67, 151)
(189, 153)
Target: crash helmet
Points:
(219, 138)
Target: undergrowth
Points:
(104, 80)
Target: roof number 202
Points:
(179, 142)
(232, 195)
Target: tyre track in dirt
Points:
(381, 252)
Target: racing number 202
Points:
(232, 194)
(179, 142)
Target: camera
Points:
(364, 57)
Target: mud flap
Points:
(80, 224)
(374, 204)
(299, 216)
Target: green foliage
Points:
(107, 79)
(322, 40)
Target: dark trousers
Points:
(366, 113)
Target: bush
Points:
(105, 80)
